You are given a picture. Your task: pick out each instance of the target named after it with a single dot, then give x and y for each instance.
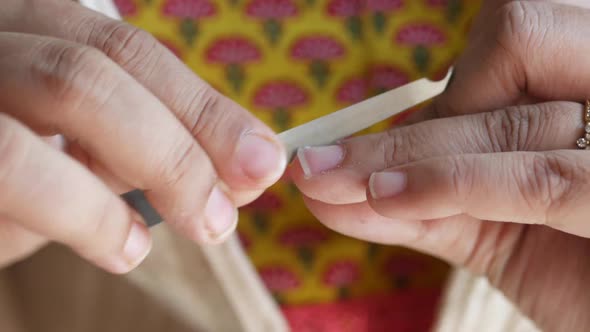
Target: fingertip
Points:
(262, 158)
(303, 163)
(136, 248)
(384, 185)
(221, 216)
(215, 224)
(320, 160)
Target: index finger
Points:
(245, 152)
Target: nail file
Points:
(331, 128)
(350, 120)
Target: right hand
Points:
(133, 117)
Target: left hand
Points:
(493, 191)
(449, 187)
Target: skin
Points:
(129, 115)
(493, 181)
(499, 195)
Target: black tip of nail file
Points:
(137, 200)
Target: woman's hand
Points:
(133, 117)
(500, 189)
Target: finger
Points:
(547, 188)
(53, 196)
(361, 221)
(461, 240)
(339, 174)
(115, 183)
(521, 52)
(16, 242)
(75, 151)
(245, 152)
(81, 93)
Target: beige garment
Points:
(179, 289)
(176, 288)
(10, 319)
(55, 291)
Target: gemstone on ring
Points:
(584, 141)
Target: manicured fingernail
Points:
(138, 244)
(386, 184)
(136, 248)
(220, 214)
(260, 157)
(316, 160)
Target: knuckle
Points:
(509, 129)
(537, 119)
(521, 26)
(390, 147)
(72, 73)
(402, 145)
(177, 164)
(520, 128)
(131, 47)
(461, 177)
(548, 184)
(200, 111)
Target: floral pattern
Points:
(304, 239)
(279, 279)
(386, 77)
(341, 275)
(351, 11)
(271, 12)
(190, 11)
(280, 97)
(421, 37)
(381, 10)
(261, 209)
(233, 52)
(453, 7)
(290, 61)
(318, 51)
(126, 8)
(353, 91)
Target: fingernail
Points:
(220, 214)
(260, 157)
(316, 160)
(386, 184)
(136, 248)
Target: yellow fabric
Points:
(418, 37)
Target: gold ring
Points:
(584, 142)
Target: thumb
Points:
(526, 52)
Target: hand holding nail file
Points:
(330, 128)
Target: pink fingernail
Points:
(260, 157)
(136, 248)
(220, 214)
(387, 184)
(316, 160)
